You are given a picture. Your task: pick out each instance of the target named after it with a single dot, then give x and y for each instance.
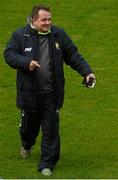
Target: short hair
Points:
(37, 8)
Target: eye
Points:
(44, 19)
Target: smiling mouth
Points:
(47, 25)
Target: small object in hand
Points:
(90, 84)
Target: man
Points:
(38, 52)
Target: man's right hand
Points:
(33, 65)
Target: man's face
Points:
(43, 22)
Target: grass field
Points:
(89, 117)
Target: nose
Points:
(47, 22)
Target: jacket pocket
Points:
(60, 99)
(27, 101)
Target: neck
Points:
(44, 33)
(33, 27)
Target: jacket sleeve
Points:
(73, 58)
(13, 53)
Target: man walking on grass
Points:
(38, 52)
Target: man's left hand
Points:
(90, 80)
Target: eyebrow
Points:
(45, 18)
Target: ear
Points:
(33, 19)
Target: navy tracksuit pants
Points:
(47, 119)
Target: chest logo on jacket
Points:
(57, 45)
(28, 49)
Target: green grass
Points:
(88, 119)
